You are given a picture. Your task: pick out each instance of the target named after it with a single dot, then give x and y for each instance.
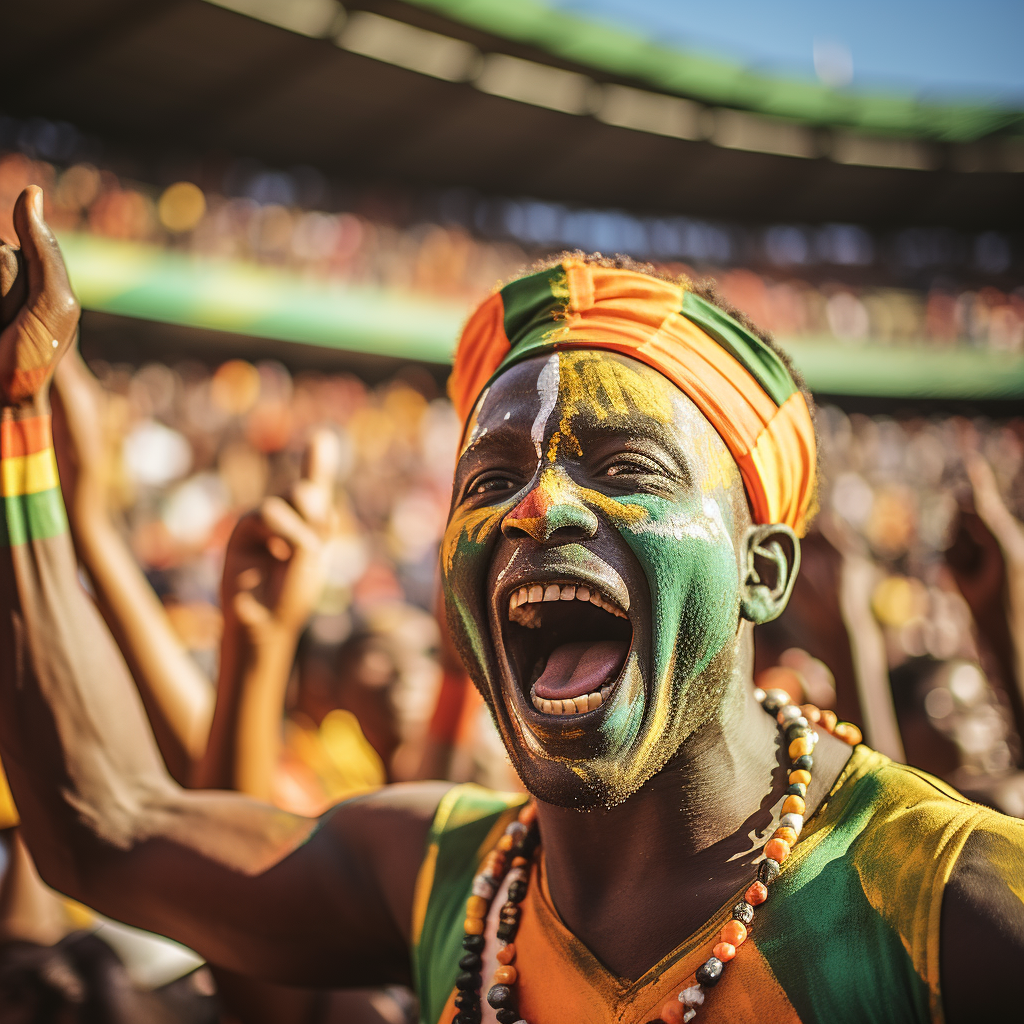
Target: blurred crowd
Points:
(470, 246)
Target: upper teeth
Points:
(538, 593)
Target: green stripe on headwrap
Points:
(764, 365)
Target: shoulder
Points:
(468, 823)
(982, 929)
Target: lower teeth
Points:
(572, 705)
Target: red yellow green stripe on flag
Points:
(33, 506)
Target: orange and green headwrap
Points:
(734, 378)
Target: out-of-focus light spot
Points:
(235, 387)
(194, 508)
(938, 703)
(181, 207)
(155, 454)
(967, 684)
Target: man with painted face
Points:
(637, 467)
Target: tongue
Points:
(578, 668)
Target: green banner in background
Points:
(135, 280)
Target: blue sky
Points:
(938, 48)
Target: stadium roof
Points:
(508, 98)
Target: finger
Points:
(47, 276)
(13, 283)
(280, 518)
(322, 457)
(249, 579)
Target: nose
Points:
(552, 513)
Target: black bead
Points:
(804, 761)
(467, 1001)
(467, 1017)
(794, 732)
(506, 931)
(499, 996)
(768, 871)
(468, 980)
(507, 1016)
(797, 789)
(743, 912)
(471, 962)
(474, 943)
(709, 972)
(772, 704)
(517, 892)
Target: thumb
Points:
(49, 291)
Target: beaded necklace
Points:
(511, 858)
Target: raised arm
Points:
(247, 886)
(177, 696)
(273, 575)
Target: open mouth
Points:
(566, 644)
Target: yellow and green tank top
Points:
(850, 935)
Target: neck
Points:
(691, 832)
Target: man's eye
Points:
(496, 483)
(626, 467)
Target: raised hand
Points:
(38, 311)
(273, 569)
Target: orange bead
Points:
(734, 933)
(756, 894)
(800, 746)
(528, 813)
(507, 954)
(800, 775)
(793, 805)
(473, 926)
(505, 844)
(476, 906)
(828, 720)
(519, 862)
(786, 834)
(672, 1012)
(776, 849)
(725, 951)
(811, 713)
(505, 975)
(848, 733)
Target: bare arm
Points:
(247, 886)
(177, 696)
(273, 574)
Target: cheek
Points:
(687, 553)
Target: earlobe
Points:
(771, 562)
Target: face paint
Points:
(635, 498)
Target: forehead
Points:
(583, 393)
(602, 388)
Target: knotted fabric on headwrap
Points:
(735, 379)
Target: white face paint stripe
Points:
(547, 389)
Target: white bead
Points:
(688, 1016)
(482, 887)
(787, 714)
(758, 694)
(692, 996)
(793, 821)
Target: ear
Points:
(772, 560)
